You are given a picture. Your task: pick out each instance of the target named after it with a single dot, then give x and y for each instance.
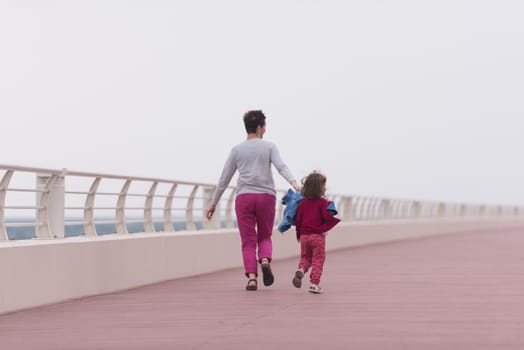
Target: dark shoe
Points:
(297, 280)
(267, 275)
(251, 284)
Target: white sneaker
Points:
(315, 289)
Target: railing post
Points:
(417, 209)
(395, 205)
(394, 208)
(89, 212)
(482, 210)
(50, 202)
(441, 210)
(3, 191)
(168, 207)
(347, 213)
(357, 205)
(366, 203)
(387, 209)
(362, 208)
(121, 226)
(372, 207)
(148, 209)
(378, 209)
(340, 207)
(190, 221)
(462, 210)
(405, 208)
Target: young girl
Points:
(313, 220)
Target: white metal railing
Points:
(66, 199)
(66, 203)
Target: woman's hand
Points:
(295, 185)
(211, 211)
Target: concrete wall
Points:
(39, 272)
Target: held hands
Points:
(295, 185)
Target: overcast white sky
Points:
(406, 99)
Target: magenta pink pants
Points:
(255, 219)
(313, 254)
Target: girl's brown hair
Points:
(312, 185)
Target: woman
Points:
(255, 200)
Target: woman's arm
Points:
(282, 168)
(225, 178)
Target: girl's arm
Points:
(328, 220)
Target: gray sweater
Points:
(252, 158)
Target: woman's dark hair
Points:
(312, 185)
(254, 119)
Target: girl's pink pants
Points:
(313, 254)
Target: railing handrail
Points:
(65, 172)
(50, 207)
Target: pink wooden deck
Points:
(457, 292)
